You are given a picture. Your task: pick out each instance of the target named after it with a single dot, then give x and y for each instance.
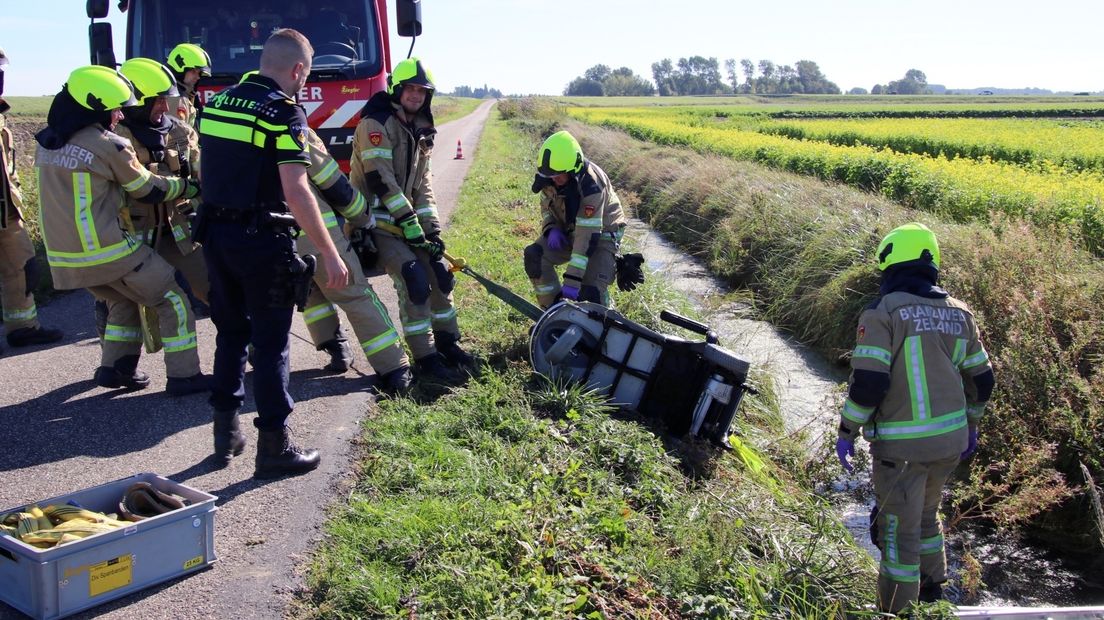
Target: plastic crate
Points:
(57, 582)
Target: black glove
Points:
(629, 271)
(365, 248)
(434, 246)
(540, 182)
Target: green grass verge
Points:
(805, 248)
(515, 498)
(446, 108)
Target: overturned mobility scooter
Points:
(693, 386)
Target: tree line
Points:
(698, 75)
(477, 92)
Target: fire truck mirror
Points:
(408, 17)
(96, 9)
(99, 42)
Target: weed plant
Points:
(516, 497)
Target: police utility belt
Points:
(273, 216)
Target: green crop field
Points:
(1062, 186)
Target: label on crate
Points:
(109, 575)
(196, 561)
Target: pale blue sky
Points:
(531, 46)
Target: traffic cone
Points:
(459, 151)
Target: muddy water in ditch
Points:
(808, 386)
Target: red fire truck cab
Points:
(350, 40)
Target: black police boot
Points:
(229, 440)
(341, 357)
(123, 373)
(182, 386)
(29, 336)
(434, 367)
(930, 591)
(277, 456)
(397, 382)
(447, 346)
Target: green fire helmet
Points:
(560, 153)
(911, 243)
(409, 71)
(100, 88)
(150, 78)
(189, 56)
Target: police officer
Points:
(169, 147)
(581, 225)
(84, 170)
(919, 384)
(390, 164)
(371, 323)
(254, 142)
(18, 267)
(189, 62)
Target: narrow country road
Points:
(59, 432)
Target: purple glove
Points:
(557, 240)
(844, 449)
(971, 445)
(569, 292)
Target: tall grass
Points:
(518, 498)
(805, 249)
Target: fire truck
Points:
(350, 40)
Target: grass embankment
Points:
(446, 108)
(514, 498)
(806, 249)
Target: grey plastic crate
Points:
(57, 582)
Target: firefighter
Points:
(18, 267)
(254, 168)
(391, 164)
(919, 384)
(84, 170)
(371, 323)
(189, 62)
(582, 225)
(169, 147)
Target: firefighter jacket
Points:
(931, 349)
(586, 209)
(11, 202)
(333, 191)
(176, 155)
(390, 163)
(81, 190)
(187, 110)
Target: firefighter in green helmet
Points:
(390, 166)
(581, 225)
(189, 62)
(919, 384)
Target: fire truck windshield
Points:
(344, 33)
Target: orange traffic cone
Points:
(459, 151)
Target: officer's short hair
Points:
(284, 48)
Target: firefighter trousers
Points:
(151, 284)
(16, 294)
(191, 265)
(910, 533)
(371, 323)
(424, 287)
(541, 262)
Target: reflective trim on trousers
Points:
(416, 328)
(314, 314)
(379, 343)
(903, 573)
(122, 333)
(931, 545)
(447, 315)
(179, 343)
(21, 315)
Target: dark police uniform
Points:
(247, 132)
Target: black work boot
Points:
(229, 440)
(277, 456)
(930, 591)
(434, 368)
(182, 386)
(341, 357)
(397, 382)
(447, 345)
(123, 373)
(29, 336)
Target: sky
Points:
(537, 47)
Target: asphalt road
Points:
(59, 432)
